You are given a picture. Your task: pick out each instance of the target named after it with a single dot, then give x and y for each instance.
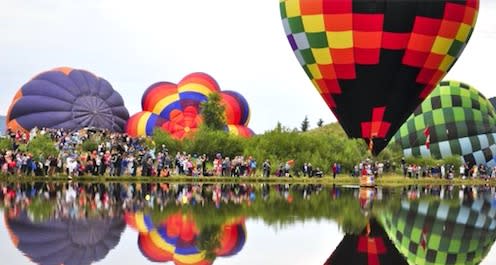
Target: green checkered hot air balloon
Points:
(438, 232)
(455, 120)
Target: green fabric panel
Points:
(307, 57)
(446, 101)
(438, 116)
(296, 24)
(455, 146)
(475, 143)
(317, 39)
(419, 123)
(459, 114)
(282, 8)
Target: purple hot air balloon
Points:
(65, 241)
(67, 98)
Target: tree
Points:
(5, 144)
(320, 122)
(162, 138)
(305, 124)
(42, 145)
(212, 112)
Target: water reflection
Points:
(179, 238)
(443, 232)
(81, 223)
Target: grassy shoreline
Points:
(385, 181)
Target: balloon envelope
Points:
(65, 241)
(67, 98)
(374, 62)
(176, 108)
(440, 232)
(458, 120)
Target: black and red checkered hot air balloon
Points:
(373, 62)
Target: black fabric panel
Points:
(399, 16)
(432, 9)
(369, 6)
(436, 102)
(488, 155)
(456, 101)
(452, 130)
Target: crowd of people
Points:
(447, 171)
(117, 154)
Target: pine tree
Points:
(305, 124)
(320, 123)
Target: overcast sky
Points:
(242, 44)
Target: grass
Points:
(386, 181)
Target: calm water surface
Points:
(82, 224)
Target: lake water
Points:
(81, 224)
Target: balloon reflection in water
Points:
(177, 238)
(439, 232)
(65, 241)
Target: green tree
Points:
(320, 123)
(212, 112)
(90, 145)
(162, 138)
(305, 124)
(210, 142)
(5, 144)
(42, 145)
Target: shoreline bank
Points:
(384, 181)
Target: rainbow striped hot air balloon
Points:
(176, 240)
(176, 108)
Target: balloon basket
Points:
(367, 181)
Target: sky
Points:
(242, 44)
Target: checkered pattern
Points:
(367, 55)
(461, 122)
(441, 233)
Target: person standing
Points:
(334, 170)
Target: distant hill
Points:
(3, 125)
(330, 128)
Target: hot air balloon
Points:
(455, 120)
(440, 232)
(176, 108)
(67, 98)
(176, 239)
(374, 62)
(65, 241)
